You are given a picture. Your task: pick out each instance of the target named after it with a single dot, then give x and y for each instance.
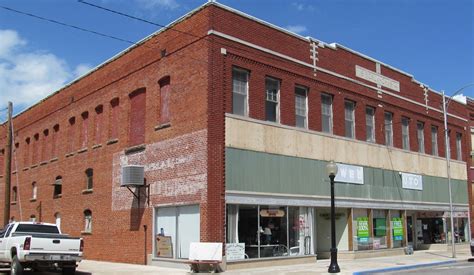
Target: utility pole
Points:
(8, 166)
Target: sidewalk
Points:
(320, 267)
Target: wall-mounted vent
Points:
(133, 175)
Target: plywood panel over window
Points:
(165, 93)
(99, 110)
(137, 117)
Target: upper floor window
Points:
(84, 135)
(370, 124)
(99, 110)
(388, 127)
(240, 89)
(36, 150)
(349, 120)
(26, 155)
(405, 133)
(136, 131)
(326, 113)
(301, 106)
(434, 140)
(54, 141)
(71, 135)
(89, 178)
(45, 148)
(87, 221)
(113, 118)
(34, 190)
(165, 94)
(32, 218)
(272, 87)
(14, 194)
(458, 146)
(58, 187)
(420, 128)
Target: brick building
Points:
(234, 126)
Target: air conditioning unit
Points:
(133, 175)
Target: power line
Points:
(68, 25)
(135, 18)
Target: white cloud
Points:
(158, 4)
(296, 28)
(302, 7)
(461, 98)
(29, 76)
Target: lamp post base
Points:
(334, 267)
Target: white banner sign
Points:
(412, 181)
(349, 174)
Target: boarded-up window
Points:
(35, 148)
(71, 135)
(98, 124)
(165, 93)
(2, 161)
(54, 141)
(85, 130)
(136, 132)
(45, 146)
(26, 154)
(113, 118)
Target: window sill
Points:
(96, 146)
(162, 126)
(112, 141)
(82, 150)
(34, 166)
(32, 200)
(13, 203)
(86, 233)
(135, 149)
(14, 172)
(87, 191)
(69, 155)
(58, 196)
(43, 163)
(26, 168)
(53, 160)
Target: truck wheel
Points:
(69, 270)
(16, 268)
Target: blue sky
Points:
(430, 39)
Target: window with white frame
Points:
(388, 127)
(434, 140)
(301, 106)
(370, 124)
(240, 91)
(272, 87)
(326, 113)
(87, 221)
(32, 218)
(405, 133)
(458, 146)
(420, 128)
(349, 118)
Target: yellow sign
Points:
(164, 246)
(272, 213)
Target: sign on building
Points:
(349, 174)
(363, 229)
(397, 226)
(235, 251)
(412, 181)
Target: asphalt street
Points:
(459, 268)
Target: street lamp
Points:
(448, 161)
(331, 169)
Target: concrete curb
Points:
(406, 267)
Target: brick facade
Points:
(182, 83)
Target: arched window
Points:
(34, 190)
(57, 218)
(54, 141)
(84, 135)
(14, 194)
(89, 178)
(87, 221)
(71, 135)
(113, 118)
(57, 193)
(32, 218)
(99, 110)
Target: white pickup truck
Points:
(39, 246)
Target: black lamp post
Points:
(331, 169)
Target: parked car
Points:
(39, 246)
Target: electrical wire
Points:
(67, 25)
